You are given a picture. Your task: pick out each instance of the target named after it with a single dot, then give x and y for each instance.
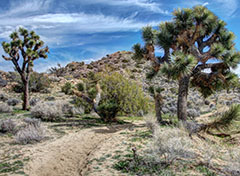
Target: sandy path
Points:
(67, 156)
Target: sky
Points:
(87, 30)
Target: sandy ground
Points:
(71, 154)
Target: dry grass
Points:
(30, 133)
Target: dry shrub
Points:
(232, 158)
(170, 144)
(151, 122)
(54, 111)
(7, 126)
(30, 133)
(4, 108)
(48, 111)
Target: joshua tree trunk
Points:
(25, 95)
(182, 98)
(158, 107)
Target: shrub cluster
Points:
(120, 96)
(38, 82)
(31, 132)
(54, 111)
(67, 88)
(7, 126)
(4, 108)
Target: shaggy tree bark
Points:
(182, 98)
(158, 107)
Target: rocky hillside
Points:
(122, 62)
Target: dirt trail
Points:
(66, 156)
(69, 155)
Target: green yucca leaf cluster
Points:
(138, 52)
(181, 66)
(228, 122)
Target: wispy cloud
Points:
(148, 5)
(226, 7)
(54, 28)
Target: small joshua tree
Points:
(28, 47)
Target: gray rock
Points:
(3, 82)
(193, 113)
(54, 79)
(3, 97)
(206, 102)
(50, 98)
(165, 110)
(13, 101)
(34, 101)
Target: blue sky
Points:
(86, 30)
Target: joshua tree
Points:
(192, 39)
(158, 100)
(24, 48)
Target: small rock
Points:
(13, 101)
(34, 101)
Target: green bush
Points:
(79, 102)
(67, 88)
(120, 95)
(80, 87)
(38, 82)
(108, 110)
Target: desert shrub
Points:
(30, 133)
(151, 122)
(108, 110)
(38, 83)
(71, 110)
(233, 161)
(7, 126)
(79, 102)
(4, 108)
(171, 144)
(48, 111)
(33, 121)
(67, 88)
(120, 95)
(80, 86)
(54, 111)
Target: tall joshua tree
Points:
(191, 39)
(25, 47)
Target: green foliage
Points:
(108, 110)
(138, 52)
(80, 87)
(148, 35)
(228, 122)
(38, 82)
(122, 94)
(79, 102)
(67, 88)
(182, 65)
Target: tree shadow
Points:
(90, 122)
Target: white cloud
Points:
(205, 4)
(54, 28)
(227, 7)
(144, 4)
(237, 71)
